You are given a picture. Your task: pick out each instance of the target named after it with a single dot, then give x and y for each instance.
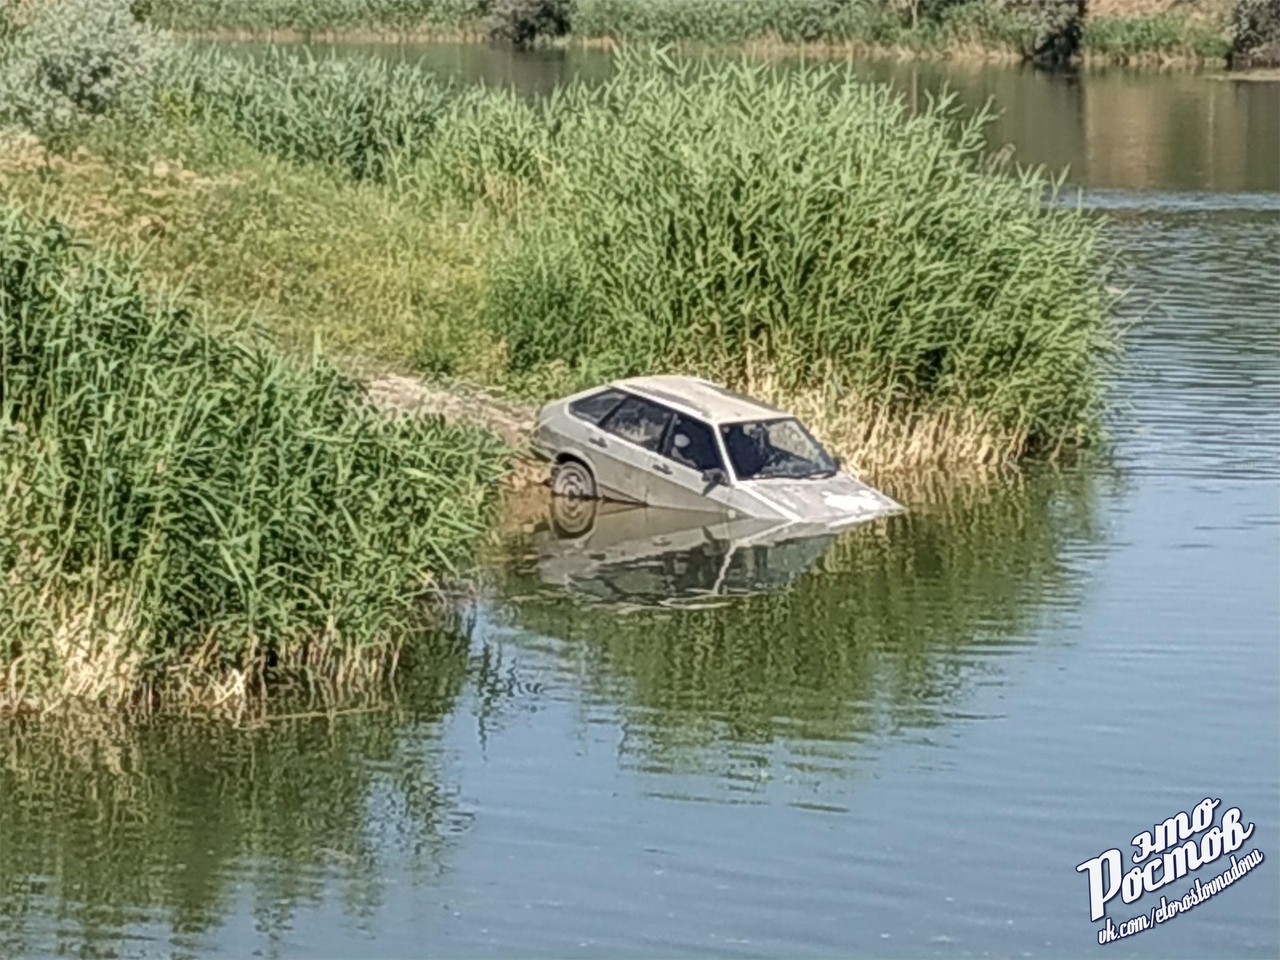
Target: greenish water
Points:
(900, 742)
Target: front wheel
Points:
(573, 480)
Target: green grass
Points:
(939, 28)
(185, 510)
(188, 507)
(303, 248)
(362, 116)
(663, 21)
(862, 23)
(793, 228)
(720, 21)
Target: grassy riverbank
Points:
(1125, 33)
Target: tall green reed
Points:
(926, 27)
(871, 23)
(710, 21)
(738, 220)
(362, 116)
(179, 505)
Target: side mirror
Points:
(714, 477)
(839, 462)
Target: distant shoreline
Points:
(960, 52)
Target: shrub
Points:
(1255, 33)
(1052, 27)
(522, 22)
(77, 60)
(14, 15)
(990, 26)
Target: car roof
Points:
(702, 398)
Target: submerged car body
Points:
(689, 444)
(635, 556)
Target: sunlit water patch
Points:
(1202, 395)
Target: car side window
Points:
(692, 444)
(640, 421)
(597, 406)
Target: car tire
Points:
(573, 479)
(572, 519)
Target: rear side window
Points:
(692, 444)
(640, 421)
(596, 407)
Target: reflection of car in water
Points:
(689, 444)
(646, 556)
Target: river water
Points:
(665, 740)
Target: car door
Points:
(575, 431)
(677, 471)
(631, 438)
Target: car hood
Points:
(829, 502)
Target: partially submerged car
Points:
(689, 444)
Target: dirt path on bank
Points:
(465, 403)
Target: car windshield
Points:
(775, 449)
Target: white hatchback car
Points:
(689, 444)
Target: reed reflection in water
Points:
(716, 641)
(119, 833)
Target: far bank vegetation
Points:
(1044, 31)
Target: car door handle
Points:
(662, 468)
(598, 441)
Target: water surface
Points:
(659, 741)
